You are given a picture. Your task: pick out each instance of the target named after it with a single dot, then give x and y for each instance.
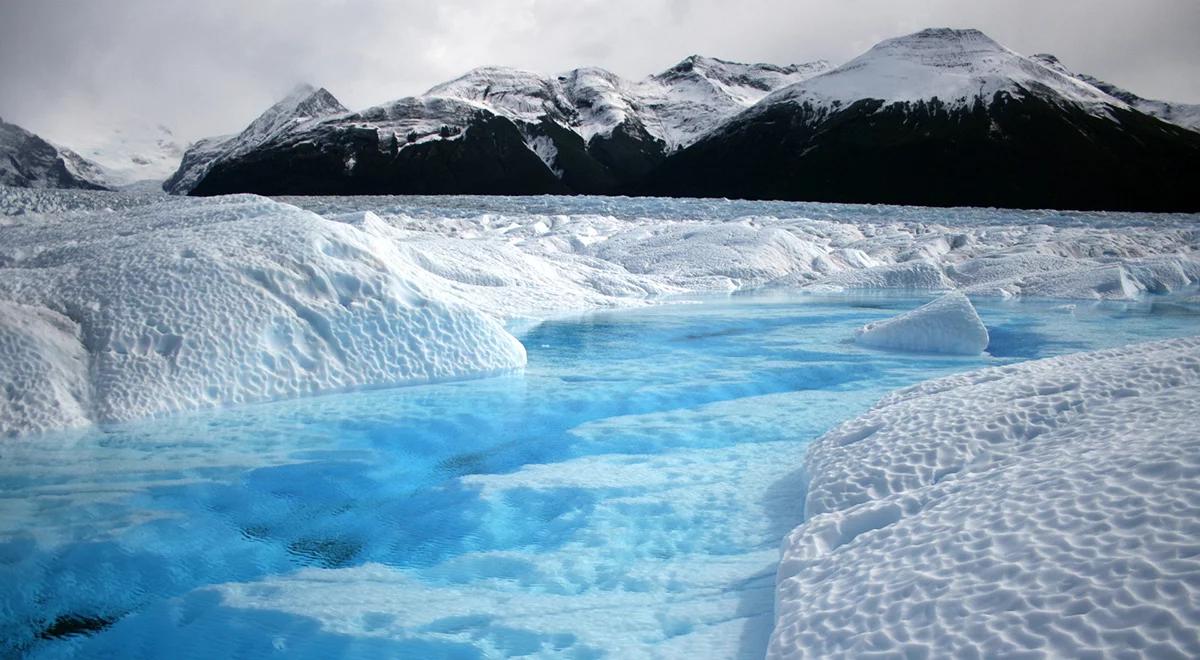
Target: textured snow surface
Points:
(173, 306)
(44, 370)
(181, 303)
(1045, 509)
(946, 325)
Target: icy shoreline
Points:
(1047, 507)
(166, 304)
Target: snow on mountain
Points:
(1039, 137)
(942, 117)
(28, 161)
(675, 106)
(301, 108)
(954, 66)
(689, 99)
(1186, 115)
(624, 128)
(1047, 507)
(132, 152)
(509, 92)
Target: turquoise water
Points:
(624, 496)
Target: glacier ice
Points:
(174, 306)
(1048, 506)
(185, 303)
(949, 324)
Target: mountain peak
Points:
(943, 47)
(299, 91)
(955, 66)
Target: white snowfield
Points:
(119, 305)
(168, 307)
(1045, 509)
(949, 324)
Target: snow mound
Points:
(1046, 508)
(946, 325)
(187, 304)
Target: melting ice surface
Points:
(625, 496)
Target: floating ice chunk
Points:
(946, 325)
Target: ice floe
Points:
(949, 324)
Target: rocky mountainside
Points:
(494, 129)
(1186, 115)
(28, 161)
(940, 117)
(943, 117)
(304, 107)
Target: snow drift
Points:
(946, 325)
(171, 306)
(1048, 507)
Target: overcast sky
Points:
(210, 66)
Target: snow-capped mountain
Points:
(590, 130)
(28, 161)
(954, 66)
(301, 108)
(1186, 115)
(943, 117)
(691, 98)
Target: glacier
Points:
(172, 307)
(1044, 508)
(327, 293)
(623, 483)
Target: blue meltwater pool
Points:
(624, 496)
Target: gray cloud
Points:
(69, 67)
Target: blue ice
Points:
(623, 497)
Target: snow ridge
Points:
(185, 304)
(1186, 115)
(302, 108)
(955, 66)
(1046, 508)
